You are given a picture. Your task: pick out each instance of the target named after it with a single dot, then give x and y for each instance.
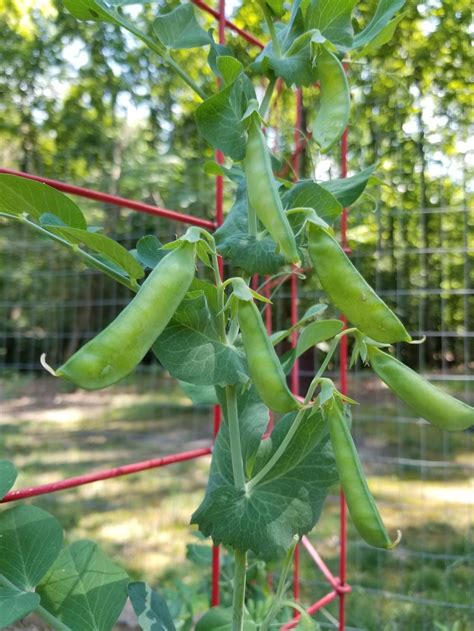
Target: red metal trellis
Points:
(338, 583)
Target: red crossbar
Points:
(233, 27)
(319, 604)
(116, 201)
(88, 478)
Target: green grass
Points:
(52, 431)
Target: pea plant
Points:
(264, 491)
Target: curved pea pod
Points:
(115, 352)
(360, 502)
(263, 363)
(350, 292)
(333, 114)
(263, 194)
(439, 408)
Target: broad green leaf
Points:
(15, 605)
(8, 475)
(334, 103)
(312, 195)
(220, 619)
(289, 499)
(317, 332)
(219, 118)
(84, 588)
(93, 10)
(348, 190)
(384, 36)
(190, 347)
(180, 29)
(106, 247)
(334, 19)
(149, 251)
(151, 608)
(250, 254)
(385, 11)
(229, 68)
(30, 541)
(199, 395)
(294, 66)
(276, 6)
(20, 195)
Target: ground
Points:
(51, 431)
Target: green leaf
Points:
(149, 252)
(277, 7)
(313, 334)
(20, 195)
(348, 190)
(151, 608)
(191, 350)
(294, 66)
(180, 29)
(15, 605)
(199, 555)
(30, 541)
(8, 475)
(385, 11)
(289, 499)
(106, 247)
(311, 195)
(220, 619)
(219, 118)
(93, 10)
(84, 588)
(333, 19)
(199, 395)
(250, 254)
(381, 39)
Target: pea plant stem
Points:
(220, 296)
(267, 97)
(277, 601)
(238, 601)
(41, 611)
(271, 27)
(234, 438)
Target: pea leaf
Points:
(333, 19)
(151, 608)
(288, 500)
(384, 12)
(29, 543)
(219, 118)
(191, 350)
(312, 195)
(384, 36)
(106, 247)
(180, 29)
(15, 605)
(348, 190)
(252, 255)
(20, 195)
(8, 475)
(84, 588)
(200, 555)
(294, 65)
(220, 619)
(199, 395)
(149, 252)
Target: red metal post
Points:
(116, 201)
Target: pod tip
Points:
(46, 366)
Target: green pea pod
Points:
(360, 502)
(263, 194)
(264, 367)
(439, 408)
(115, 352)
(350, 292)
(333, 114)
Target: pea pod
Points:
(350, 292)
(263, 363)
(439, 408)
(360, 502)
(333, 114)
(115, 352)
(263, 194)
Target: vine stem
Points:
(234, 438)
(277, 601)
(271, 27)
(41, 611)
(87, 258)
(238, 601)
(267, 97)
(220, 296)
